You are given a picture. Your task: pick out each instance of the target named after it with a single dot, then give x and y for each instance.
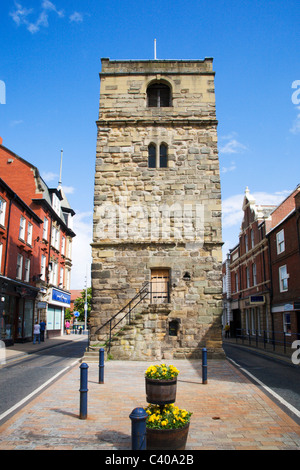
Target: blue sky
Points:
(50, 64)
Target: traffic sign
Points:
(76, 314)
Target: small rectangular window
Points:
(27, 270)
(280, 242)
(152, 156)
(283, 279)
(29, 233)
(22, 228)
(19, 267)
(163, 156)
(2, 211)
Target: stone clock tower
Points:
(157, 211)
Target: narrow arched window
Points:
(159, 95)
(151, 156)
(163, 156)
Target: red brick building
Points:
(249, 272)
(43, 263)
(284, 244)
(19, 259)
(264, 296)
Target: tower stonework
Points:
(157, 209)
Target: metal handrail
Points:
(140, 296)
(282, 339)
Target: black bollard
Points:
(101, 366)
(83, 390)
(204, 366)
(138, 429)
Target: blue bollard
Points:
(83, 390)
(101, 366)
(138, 429)
(204, 366)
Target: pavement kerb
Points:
(20, 351)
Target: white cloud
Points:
(46, 5)
(49, 176)
(21, 16)
(232, 214)
(295, 129)
(227, 169)
(232, 145)
(68, 189)
(232, 206)
(81, 252)
(16, 123)
(76, 17)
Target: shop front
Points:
(17, 307)
(58, 302)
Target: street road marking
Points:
(269, 390)
(24, 400)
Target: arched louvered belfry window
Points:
(163, 156)
(158, 95)
(151, 156)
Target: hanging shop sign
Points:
(61, 297)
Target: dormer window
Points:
(56, 203)
(158, 96)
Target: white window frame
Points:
(19, 266)
(61, 277)
(43, 268)
(246, 243)
(54, 273)
(22, 228)
(258, 317)
(27, 270)
(236, 282)
(63, 245)
(2, 211)
(45, 229)
(287, 329)
(68, 278)
(248, 283)
(29, 233)
(280, 242)
(252, 238)
(1, 251)
(283, 279)
(252, 315)
(254, 274)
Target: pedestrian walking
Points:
(227, 330)
(68, 327)
(36, 333)
(43, 329)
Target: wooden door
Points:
(160, 281)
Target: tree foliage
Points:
(79, 304)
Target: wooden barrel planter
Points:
(161, 392)
(167, 439)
